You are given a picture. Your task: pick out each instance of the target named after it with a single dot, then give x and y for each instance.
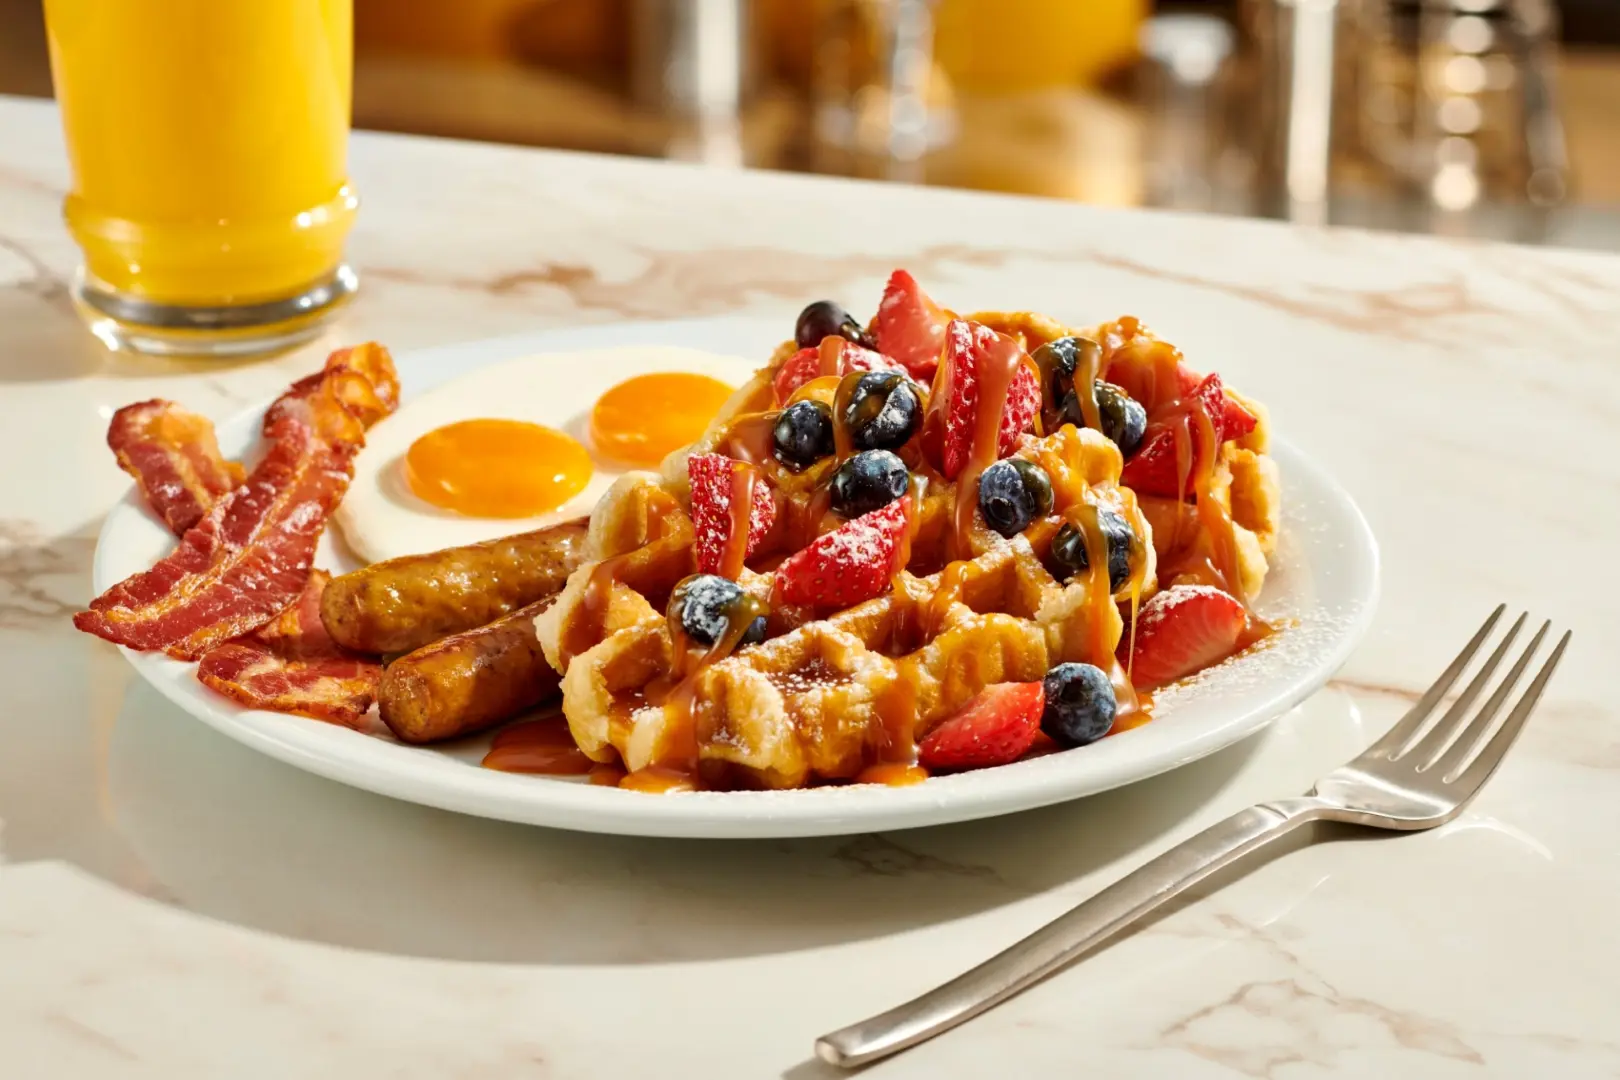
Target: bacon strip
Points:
(174, 458)
(362, 378)
(292, 665)
(250, 556)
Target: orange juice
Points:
(208, 140)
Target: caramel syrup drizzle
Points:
(746, 486)
(1196, 434)
(586, 623)
(1132, 708)
(1003, 361)
(676, 768)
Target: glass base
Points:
(129, 324)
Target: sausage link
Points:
(469, 681)
(404, 603)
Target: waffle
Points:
(828, 696)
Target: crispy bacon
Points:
(361, 377)
(372, 362)
(174, 458)
(292, 665)
(249, 557)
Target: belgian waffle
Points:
(830, 696)
(839, 692)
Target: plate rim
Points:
(725, 815)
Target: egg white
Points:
(380, 518)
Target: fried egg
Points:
(524, 444)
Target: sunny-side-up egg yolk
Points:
(642, 419)
(496, 468)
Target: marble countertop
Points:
(175, 905)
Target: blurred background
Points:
(1497, 118)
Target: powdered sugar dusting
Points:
(969, 346)
(849, 564)
(710, 479)
(1162, 604)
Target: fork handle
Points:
(1067, 937)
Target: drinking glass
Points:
(208, 141)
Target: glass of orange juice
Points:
(208, 141)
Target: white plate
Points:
(1325, 576)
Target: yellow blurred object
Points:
(985, 46)
(1011, 46)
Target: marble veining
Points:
(175, 905)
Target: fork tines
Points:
(1462, 745)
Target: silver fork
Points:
(1416, 777)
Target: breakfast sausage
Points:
(404, 603)
(469, 681)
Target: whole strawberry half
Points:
(848, 565)
(998, 726)
(1152, 469)
(710, 476)
(909, 326)
(1181, 631)
(970, 351)
(806, 364)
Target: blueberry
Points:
(823, 319)
(706, 604)
(867, 481)
(881, 409)
(1013, 493)
(1069, 549)
(803, 434)
(755, 632)
(1080, 704)
(1058, 360)
(1124, 420)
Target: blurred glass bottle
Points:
(885, 73)
(1182, 87)
(1458, 98)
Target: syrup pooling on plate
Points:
(643, 419)
(496, 468)
(538, 746)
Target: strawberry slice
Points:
(712, 478)
(848, 565)
(970, 351)
(997, 726)
(909, 326)
(1183, 630)
(1152, 469)
(1236, 421)
(807, 364)
(1138, 379)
